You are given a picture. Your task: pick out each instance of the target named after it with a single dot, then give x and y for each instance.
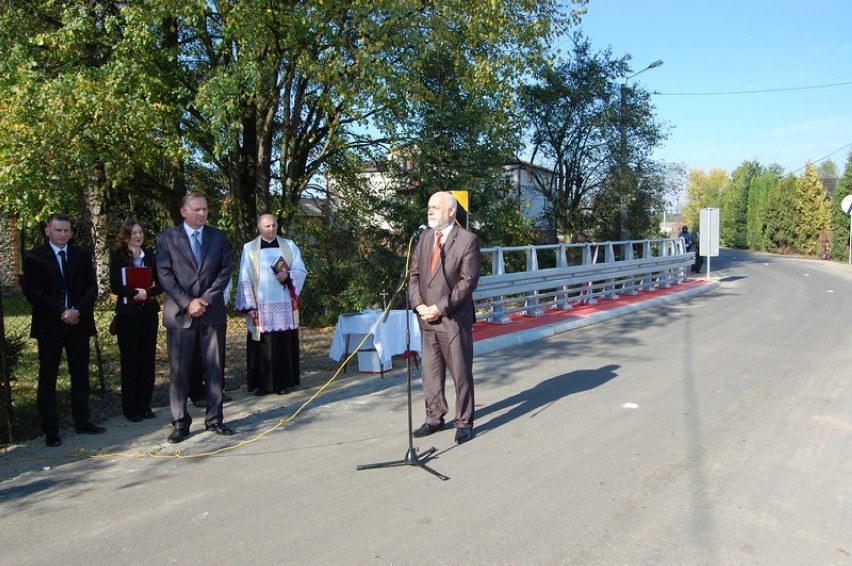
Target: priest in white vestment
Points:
(272, 275)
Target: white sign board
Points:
(708, 230)
(846, 205)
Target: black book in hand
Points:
(280, 265)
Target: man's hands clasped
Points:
(428, 314)
(197, 307)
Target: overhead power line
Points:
(786, 89)
(823, 158)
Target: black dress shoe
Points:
(425, 430)
(260, 392)
(89, 428)
(135, 419)
(220, 429)
(149, 414)
(200, 403)
(178, 435)
(463, 435)
(53, 440)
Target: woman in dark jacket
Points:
(137, 318)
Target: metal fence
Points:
(529, 279)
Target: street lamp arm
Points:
(653, 65)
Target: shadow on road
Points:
(536, 399)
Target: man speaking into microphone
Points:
(444, 273)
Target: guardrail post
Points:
(666, 277)
(562, 256)
(629, 285)
(680, 249)
(498, 312)
(609, 286)
(531, 300)
(648, 280)
(563, 303)
(589, 259)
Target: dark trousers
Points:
(182, 343)
(75, 342)
(272, 363)
(196, 378)
(699, 261)
(137, 342)
(443, 351)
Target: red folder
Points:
(136, 278)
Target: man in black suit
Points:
(194, 266)
(444, 273)
(60, 284)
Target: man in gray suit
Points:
(194, 266)
(444, 274)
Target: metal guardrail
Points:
(575, 273)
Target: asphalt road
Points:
(715, 429)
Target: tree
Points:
(812, 208)
(733, 207)
(452, 140)
(827, 169)
(703, 190)
(579, 114)
(84, 115)
(781, 220)
(760, 191)
(839, 218)
(287, 91)
(118, 103)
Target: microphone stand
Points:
(411, 457)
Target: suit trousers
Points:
(442, 351)
(75, 341)
(137, 342)
(182, 343)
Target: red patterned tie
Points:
(437, 252)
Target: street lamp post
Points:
(622, 152)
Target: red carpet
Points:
(486, 330)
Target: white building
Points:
(520, 186)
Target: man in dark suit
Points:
(60, 284)
(444, 274)
(194, 266)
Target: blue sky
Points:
(724, 46)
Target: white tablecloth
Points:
(388, 338)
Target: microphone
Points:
(420, 230)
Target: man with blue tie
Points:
(194, 267)
(60, 284)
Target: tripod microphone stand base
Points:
(411, 459)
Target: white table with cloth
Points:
(386, 340)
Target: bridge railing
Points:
(531, 279)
